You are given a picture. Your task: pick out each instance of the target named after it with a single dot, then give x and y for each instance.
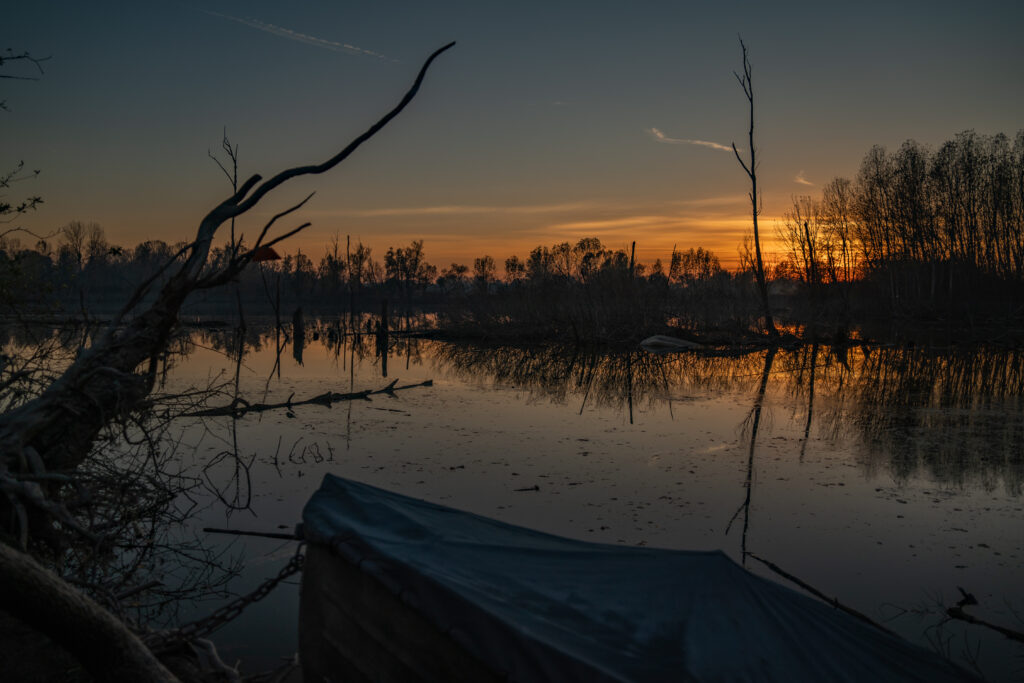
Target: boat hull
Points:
(352, 628)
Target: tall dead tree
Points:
(747, 84)
(113, 377)
(116, 373)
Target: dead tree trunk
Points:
(111, 379)
(57, 429)
(762, 283)
(97, 639)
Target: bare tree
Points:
(113, 377)
(804, 237)
(747, 84)
(484, 271)
(61, 423)
(74, 236)
(837, 213)
(515, 269)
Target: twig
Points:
(957, 612)
(260, 534)
(125, 594)
(818, 594)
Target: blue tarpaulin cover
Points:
(539, 607)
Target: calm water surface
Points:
(886, 479)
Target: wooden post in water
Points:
(382, 337)
(277, 326)
(348, 270)
(298, 334)
(629, 386)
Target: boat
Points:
(400, 589)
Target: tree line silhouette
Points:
(931, 234)
(934, 231)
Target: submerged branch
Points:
(240, 407)
(957, 612)
(818, 594)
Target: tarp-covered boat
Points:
(399, 589)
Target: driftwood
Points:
(240, 407)
(113, 376)
(100, 641)
(117, 372)
(106, 383)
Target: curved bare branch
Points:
(290, 173)
(63, 421)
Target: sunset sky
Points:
(549, 121)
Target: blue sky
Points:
(535, 128)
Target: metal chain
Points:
(166, 640)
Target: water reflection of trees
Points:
(955, 415)
(125, 505)
(344, 341)
(603, 379)
(31, 358)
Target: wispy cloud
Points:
(728, 202)
(465, 210)
(649, 225)
(661, 137)
(801, 179)
(300, 37)
(614, 224)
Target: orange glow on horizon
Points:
(459, 234)
(723, 237)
